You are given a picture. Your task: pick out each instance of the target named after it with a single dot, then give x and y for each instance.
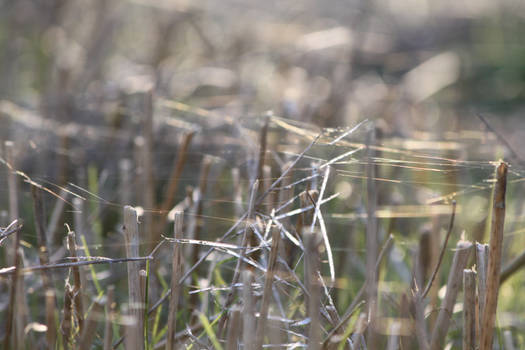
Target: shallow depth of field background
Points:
(420, 71)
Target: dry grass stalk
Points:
(312, 264)
(360, 328)
(494, 262)
(420, 325)
(482, 255)
(248, 312)
(11, 321)
(50, 320)
(147, 171)
(423, 265)
(285, 194)
(110, 315)
(43, 252)
(371, 238)
(136, 299)
(307, 198)
(88, 333)
(513, 266)
(80, 229)
(469, 310)
(175, 285)
(455, 278)
(125, 182)
(261, 159)
(234, 329)
(267, 291)
(66, 326)
(12, 185)
(77, 289)
(14, 257)
(239, 264)
(443, 249)
(269, 201)
(176, 173)
(196, 222)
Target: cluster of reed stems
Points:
(276, 292)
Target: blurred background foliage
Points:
(329, 61)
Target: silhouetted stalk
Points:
(176, 267)
(50, 320)
(371, 240)
(455, 278)
(312, 243)
(136, 300)
(88, 333)
(248, 312)
(110, 316)
(469, 310)
(267, 291)
(77, 289)
(494, 262)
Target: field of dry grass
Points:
(181, 175)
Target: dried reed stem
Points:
(147, 171)
(77, 289)
(11, 323)
(176, 172)
(360, 328)
(248, 312)
(263, 136)
(420, 325)
(88, 333)
(494, 262)
(175, 284)
(12, 186)
(51, 332)
(267, 291)
(239, 264)
(455, 278)
(469, 310)
(234, 329)
(371, 239)
(482, 257)
(136, 299)
(443, 249)
(110, 315)
(513, 266)
(196, 221)
(67, 321)
(125, 183)
(312, 242)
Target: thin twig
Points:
(512, 267)
(501, 138)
